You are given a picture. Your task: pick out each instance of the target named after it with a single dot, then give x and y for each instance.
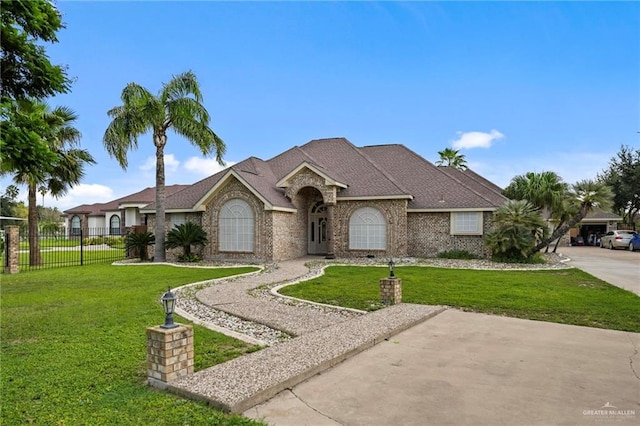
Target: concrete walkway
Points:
(325, 338)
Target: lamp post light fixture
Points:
(169, 305)
(391, 265)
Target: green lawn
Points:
(567, 296)
(56, 259)
(73, 347)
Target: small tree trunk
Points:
(561, 230)
(34, 239)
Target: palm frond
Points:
(181, 86)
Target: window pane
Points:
(367, 230)
(236, 226)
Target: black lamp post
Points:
(169, 305)
(391, 265)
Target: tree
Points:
(54, 130)
(452, 157)
(178, 106)
(584, 196)
(25, 69)
(623, 176)
(186, 235)
(517, 227)
(544, 190)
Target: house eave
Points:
(328, 180)
(375, 197)
(200, 204)
(446, 210)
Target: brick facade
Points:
(430, 233)
(280, 235)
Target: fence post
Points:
(12, 248)
(81, 248)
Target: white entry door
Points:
(318, 228)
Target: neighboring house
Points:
(329, 197)
(114, 217)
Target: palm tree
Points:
(452, 157)
(517, 227)
(584, 195)
(55, 129)
(178, 106)
(544, 190)
(138, 243)
(186, 235)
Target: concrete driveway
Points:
(473, 369)
(618, 267)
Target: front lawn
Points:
(73, 347)
(567, 296)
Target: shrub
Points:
(186, 235)
(517, 228)
(189, 258)
(136, 244)
(458, 254)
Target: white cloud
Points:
(205, 166)
(82, 194)
(171, 164)
(470, 140)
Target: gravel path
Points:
(247, 308)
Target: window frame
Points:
(242, 229)
(456, 223)
(118, 230)
(368, 236)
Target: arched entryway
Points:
(317, 226)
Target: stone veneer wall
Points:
(172, 254)
(395, 213)
(263, 237)
(430, 234)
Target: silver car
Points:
(616, 239)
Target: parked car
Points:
(634, 242)
(617, 239)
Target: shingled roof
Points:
(382, 171)
(143, 197)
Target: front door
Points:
(318, 228)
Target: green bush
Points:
(137, 244)
(458, 254)
(189, 258)
(186, 235)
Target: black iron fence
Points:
(59, 247)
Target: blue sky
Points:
(516, 86)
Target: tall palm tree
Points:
(178, 106)
(452, 157)
(585, 196)
(55, 129)
(544, 190)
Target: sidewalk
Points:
(325, 337)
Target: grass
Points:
(567, 296)
(52, 242)
(73, 347)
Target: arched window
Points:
(75, 225)
(367, 230)
(114, 225)
(236, 226)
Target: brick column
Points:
(12, 249)
(169, 354)
(391, 291)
